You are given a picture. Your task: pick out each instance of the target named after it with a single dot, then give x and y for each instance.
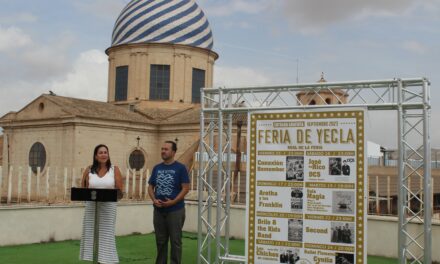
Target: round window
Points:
(37, 157)
(137, 160)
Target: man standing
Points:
(168, 185)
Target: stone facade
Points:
(69, 139)
(139, 58)
(334, 95)
(1, 149)
(70, 128)
(325, 97)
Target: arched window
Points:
(312, 102)
(328, 101)
(137, 160)
(37, 157)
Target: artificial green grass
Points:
(131, 249)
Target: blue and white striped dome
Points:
(163, 21)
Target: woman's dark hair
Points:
(95, 165)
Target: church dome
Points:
(163, 21)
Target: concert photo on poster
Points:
(289, 255)
(334, 166)
(343, 202)
(295, 230)
(344, 258)
(296, 199)
(295, 168)
(345, 168)
(342, 232)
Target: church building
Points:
(160, 56)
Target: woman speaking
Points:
(100, 175)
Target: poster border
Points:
(361, 181)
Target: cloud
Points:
(432, 6)
(230, 7)
(382, 129)
(237, 24)
(43, 63)
(414, 47)
(26, 59)
(238, 76)
(313, 15)
(12, 38)
(16, 95)
(88, 78)
(22, 17)
(29, 67)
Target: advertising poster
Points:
(306, 188)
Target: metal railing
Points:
(232, 157)
(374, 161)
(52, 185)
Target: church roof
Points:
(163, 21)
(189, 115)
(157, 113)
(192, 115)
(68, 107)
(145, 113)
(96, 109)
(169, 113)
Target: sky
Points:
(59, 46)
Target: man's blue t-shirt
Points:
(167, 180)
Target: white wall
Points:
(25, 225)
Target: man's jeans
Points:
(169, 225)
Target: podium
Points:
(94, 195)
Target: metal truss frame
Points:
(409, 98)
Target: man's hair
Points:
(173, 145)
